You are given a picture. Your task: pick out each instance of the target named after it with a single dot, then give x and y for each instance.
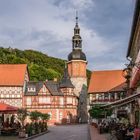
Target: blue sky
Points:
(47, 26)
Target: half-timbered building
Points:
(106, 86)
(13, 80)
(53, 97)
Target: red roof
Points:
(104, 81)
(5, 108)
(120, 87)
(12, 74)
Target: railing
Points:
(105, 100)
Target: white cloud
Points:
(47, 25)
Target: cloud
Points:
(47, 25)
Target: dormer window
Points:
(31, 89)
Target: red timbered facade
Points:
(52, 97)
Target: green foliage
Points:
(41, 66)
(35, 128)
(52, 73)
(35, 115)
(97, 112)
(88, 76)
(22, 114)
(45, 116)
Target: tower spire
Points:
(76, 17)
(77, 40)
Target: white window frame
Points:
(28, 101)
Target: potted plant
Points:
(34, 116)
(22, 114)
(45, 117)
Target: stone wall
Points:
(80, 84)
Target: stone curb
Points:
(37, 135)
(89, 132)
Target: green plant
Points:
(35, 115)
(45, 117)
(97, 112)
(22, 114)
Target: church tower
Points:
(77, 64)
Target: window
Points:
(18, 96)
(61, 100)
(31, 89)
(28, 101)
(44, 100)
(74, 101)
(60, 115)
(7, 95)
(100, 97)
(106, 96)
(13, 95)
(48, 100)
(69, 100)
(112, 96)
(50, 113)
(2, 95)
(44, 89)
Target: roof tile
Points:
(12, 74)
(104, 81)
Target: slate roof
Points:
(77, 55)
(66, 82)
(104, 81)
(53, 87)
(37, 85)
(12, 74)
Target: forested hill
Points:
(41, 66)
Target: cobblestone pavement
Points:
(67, 132)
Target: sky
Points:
(47, 26)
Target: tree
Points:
(41, 66)
(97, 112)
(22, 114)
(51, 74)
(45, 117)
(35, 115)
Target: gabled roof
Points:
(104, 81)
(37, 85)
(66, 82)
(53, 87)
(12, 74)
